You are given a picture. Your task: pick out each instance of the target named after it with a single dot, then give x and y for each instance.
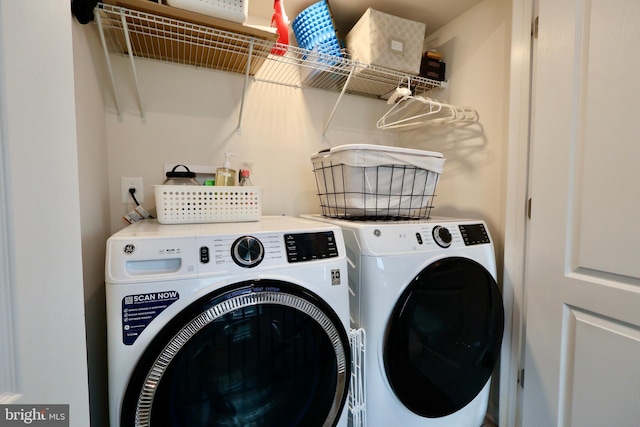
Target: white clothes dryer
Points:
(234, 324)
(425, 293)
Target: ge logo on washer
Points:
(335, 277)
(129, 249)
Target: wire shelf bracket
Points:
(127, 38)
(335, 107)
(96, 14)
(244, 88)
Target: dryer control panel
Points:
(379, 238)
(474, 234)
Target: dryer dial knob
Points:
(247, 251)
(442, 236)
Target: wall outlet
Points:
(126, 183)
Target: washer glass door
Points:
(260, 353)
(443, 338)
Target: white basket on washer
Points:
(231, 10)
(183, 204)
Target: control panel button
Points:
(204, 255)
(247, 251)
(442, 236)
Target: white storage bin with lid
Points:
(231, 10)
(365, 180)
(387, 41)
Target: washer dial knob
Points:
(247, 251)
(442, 236)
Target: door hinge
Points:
(534, 28)
(521, 377)
(529, 208)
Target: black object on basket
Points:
(176, 177)
(350, 189)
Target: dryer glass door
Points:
(260, 353)
(443, 339)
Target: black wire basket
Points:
(385, 192)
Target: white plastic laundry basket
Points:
(181, 204)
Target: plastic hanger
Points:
(401, 92)
(409, 110)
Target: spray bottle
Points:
(245, 175)
(280, 21)
(225, 175)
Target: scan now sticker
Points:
(34, 415)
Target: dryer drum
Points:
(444, 336)
(261, 353)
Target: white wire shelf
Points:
(167, 39)
(137, 33)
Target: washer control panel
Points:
(310, 246)
(149, 250)
(265, 249)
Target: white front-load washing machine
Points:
(425, 293)
(234, 324)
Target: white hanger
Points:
(409, 110)
(400, 92)
(399, 99)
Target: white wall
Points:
(191, 118)
(476, 48)
(94, 211)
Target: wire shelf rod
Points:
(133, 68)
(108, 61)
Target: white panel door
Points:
(582, 356)
(43, 357)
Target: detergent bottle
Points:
(280, 21)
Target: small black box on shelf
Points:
(432, 68)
